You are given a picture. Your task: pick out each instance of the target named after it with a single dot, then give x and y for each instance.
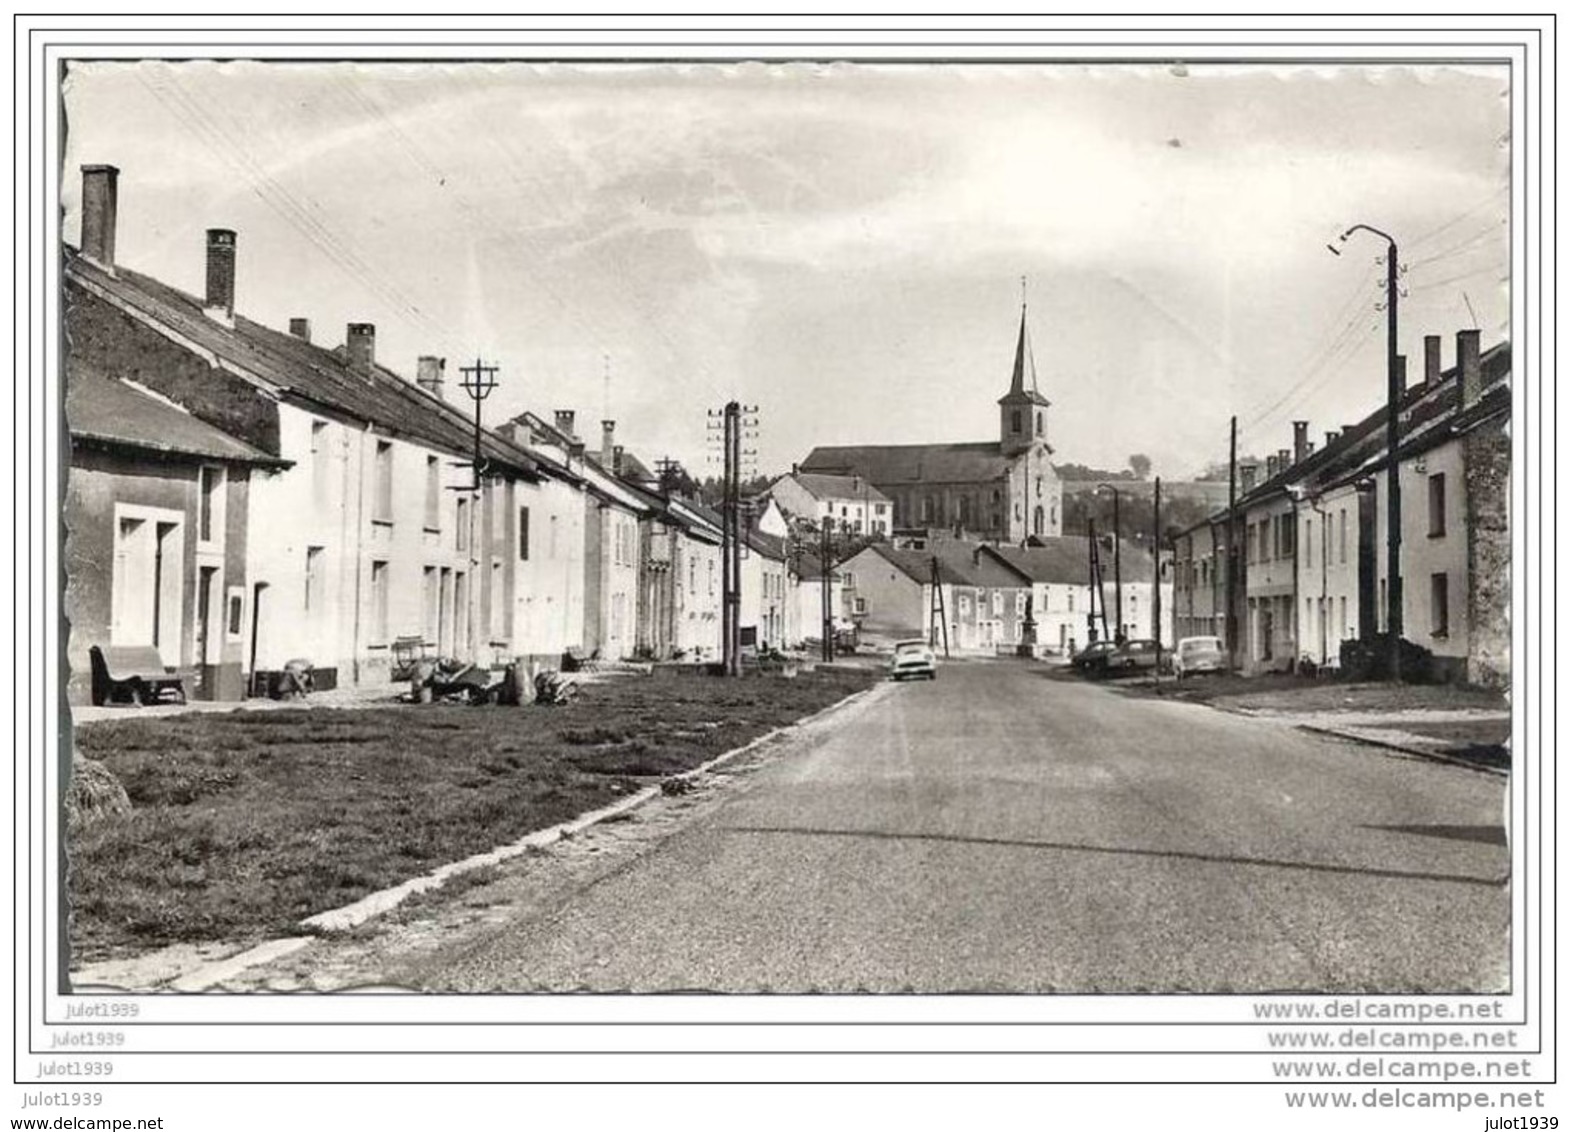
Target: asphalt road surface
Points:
(999, 830)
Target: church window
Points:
(926, 509)
(964, 509)
(1015, 420)
(1040, 425)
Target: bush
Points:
(1369, 659)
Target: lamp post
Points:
(479, 381)
(1392, 445)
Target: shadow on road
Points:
(1169, 854)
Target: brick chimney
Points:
(607, 442)
(565, 422)
(1300, 445)
(1432, 365)
(360, 344)
(220, 274)
(1401, 372)
(1247, 476)
(1283, 459)
(1331, 437)
(429, 374)
(1270, 467)
(616, 459)
(100, 204)
(1469, 361)
(300, 328)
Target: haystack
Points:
(95, 794)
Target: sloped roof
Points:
(917, 564)
(770, 546)
(823, 485)
(1065, 560)
(100, 409)
(1024, 364)
(309, 373)
(896, 464)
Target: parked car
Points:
(1194, 655)
(1092, 659)
(1132, 657)
(913, 658)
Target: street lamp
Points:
(479, 381)
(1392, 445)
(1117, 557)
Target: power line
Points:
(1464, 275)
(1454, 220)
(1456, 249)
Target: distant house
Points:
(768, 592)
(1000, 490)
(1061, 584)
(848, 504)
(818, 599)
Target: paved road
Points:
(998, 830)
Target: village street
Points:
(1001, 830)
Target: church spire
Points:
(1024, 359)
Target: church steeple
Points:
(1024, 410)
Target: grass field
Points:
(245, 822)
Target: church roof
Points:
(894, 464)
(1024, 366)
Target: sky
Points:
(841, 245)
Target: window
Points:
(1342, 619)
(879, 508)
(235, 619)
(1071, 601)
(1019, 604)
(692, 565)
(1016, 421)
(1342, 537)
(1439, 604)
(461, 524)
(431, 598)
(319, 456)
(1041, 426)
(1308, 541)
(211, 482)
(848, 579)
(498, 602)
(314, 578)
(926, 509)
(711, 577)
(1436, 505)
(523, 534)
(379, 602)
(964, 604)
(433, 494)
(383, 512)
(997, 603)
(860, 605)
(1287, 532)
(1384, 604)
(551, 547)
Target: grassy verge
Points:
(243, 823)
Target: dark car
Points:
(1092, 659)
(1133, 657)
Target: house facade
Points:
(847, 503)
(156, 520)
(368, 525)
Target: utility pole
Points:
(940, 613)
(1393, 383)
(1155, 546)
(826, 554)
(1232, 579)
(1117, 562)
(732, 543)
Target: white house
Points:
(848, 503)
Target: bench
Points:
(136, 674)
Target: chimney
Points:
(1469, 361)
(1270, 467)
(360, 345)
(429, 374)
(1300, 445)
(1331, 437)
(1432, 366)
(1283, 459)
(300, 328)
(607, 441)
(795, 469)
(1401, 372)
(100, 203)
(565, 419)
(616, 459)
(220, 274)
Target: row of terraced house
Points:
(240, 496)
(1300, 566)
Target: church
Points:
(1002, 490)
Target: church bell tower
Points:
(1022, 410)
